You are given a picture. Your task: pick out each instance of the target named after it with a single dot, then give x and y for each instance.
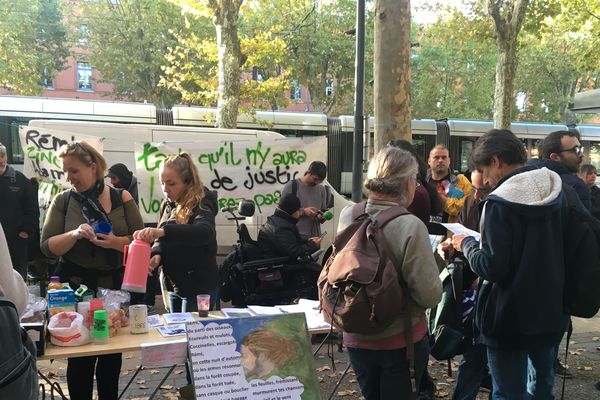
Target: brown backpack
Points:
(359, 289)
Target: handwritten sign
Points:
(164, 354)
(247, 169)
(41, 148)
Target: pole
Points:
(359, 82)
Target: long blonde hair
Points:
(184, 166)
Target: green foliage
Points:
(32, 44)
(453, 69)
(559, 55)
(127, 43)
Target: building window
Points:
(84, 76)
(257, 74)
(329, 88)
(295, 91)
(83, 33)
(47, 79)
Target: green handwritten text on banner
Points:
(41, 148)
(246, 169)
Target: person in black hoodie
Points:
(520, 261)
(280, 237)
(185, 241)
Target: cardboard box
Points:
(61, 300)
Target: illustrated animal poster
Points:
(253, 358)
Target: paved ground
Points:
(583, 362)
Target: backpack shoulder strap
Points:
(358, 210)
(295, 187)
(389, 214)
(66, 200)
(116, 197)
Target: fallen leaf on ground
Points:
(344, 393)
(451, 380)
(595, 338)
(143, 387)
(584, 368)
(440, 394)
(179, 371)
(140, 381)
(353, 380)
(166, 387)
(154, 371)
(170, 396)
(324, 368)
(129, 357)
(126, 372)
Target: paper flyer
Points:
(459, 229)
(254, 358)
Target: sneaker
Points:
(561, 370)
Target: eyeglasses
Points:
(575, 149)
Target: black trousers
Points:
(80, 376)
(17, 248)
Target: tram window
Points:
(17, 156)
(466, 147)
(535, 148)
(595, 154)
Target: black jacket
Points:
(189, 251)
(280, 237)
(567, 177)
(17, 204)
(595, 197)
(521, 262)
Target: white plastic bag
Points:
(66, 329)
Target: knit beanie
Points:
(290, 203)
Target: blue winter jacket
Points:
(520, 262)
(582, 190)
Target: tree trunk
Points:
(506, 67)
(507, 31)
(391, 69)
(226, 13)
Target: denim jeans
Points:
(522, 374)
(384, 374)
(471, 371)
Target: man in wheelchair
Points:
(277, 268)
(279, 236)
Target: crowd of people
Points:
(513, 284)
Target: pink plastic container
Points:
(136, 259)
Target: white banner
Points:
(41, 147)
(247, 169)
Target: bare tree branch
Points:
(494, 10)
(518, 15)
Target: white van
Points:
(119, 142)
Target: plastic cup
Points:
(102, 227)
(100, 331)
(137, 319)
(203, 301)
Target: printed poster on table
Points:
(41, 148)
(245, 169)
(254, 358)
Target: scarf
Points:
(92, 210)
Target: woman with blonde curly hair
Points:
(185, 240)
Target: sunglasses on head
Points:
(574, 149)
